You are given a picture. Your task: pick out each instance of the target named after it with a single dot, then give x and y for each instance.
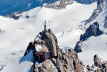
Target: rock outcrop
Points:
(59, 4)
(98, 66)
(65, 62)
(92, 30)
(47, 56)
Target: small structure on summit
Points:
(44, 46)
(47, 40)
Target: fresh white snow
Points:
(94, 45)
(16, 34)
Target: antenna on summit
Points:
(45, 26)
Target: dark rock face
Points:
(97, 61)
(92, 30)
(105, 22)
(30, 47)
(78, 47)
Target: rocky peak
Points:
(53, 59)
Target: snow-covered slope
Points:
(65, 23)
(16, 34)
(96, 45)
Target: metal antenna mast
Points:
(45, 28)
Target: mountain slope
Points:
(16, 34)
(96, 45)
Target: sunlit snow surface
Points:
(94, 45)
(16, 34)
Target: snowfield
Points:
(16, 34)
(94, 45)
